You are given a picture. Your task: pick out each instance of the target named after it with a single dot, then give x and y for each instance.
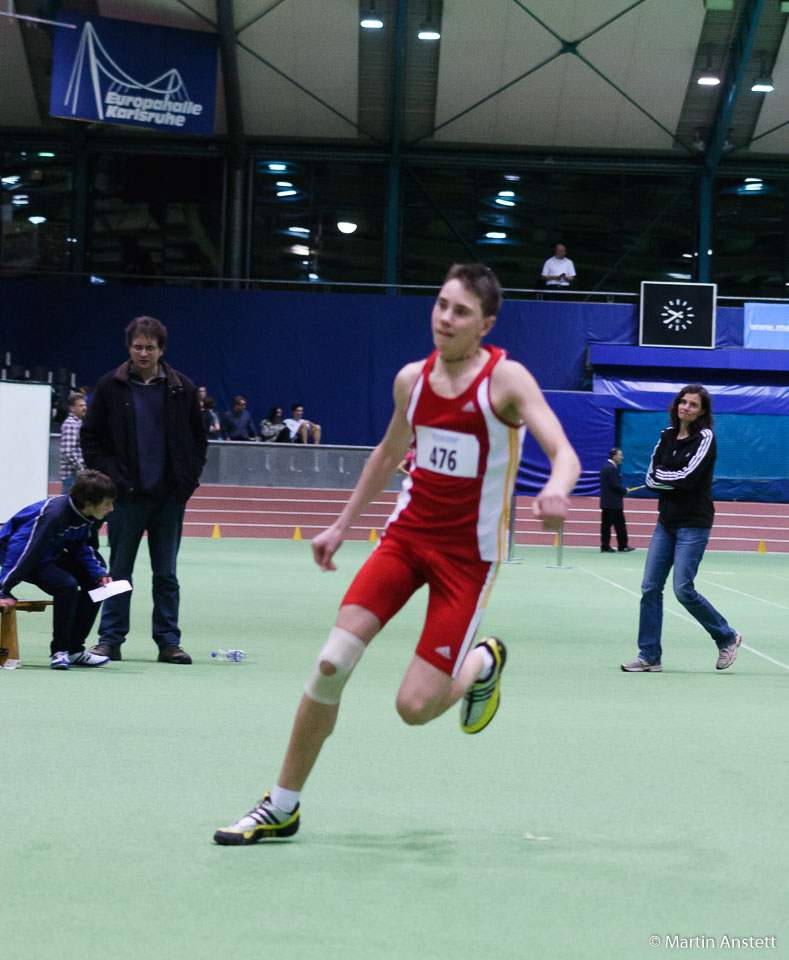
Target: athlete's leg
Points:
(315, 721)
(426, 692)
(445, 665)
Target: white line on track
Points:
(682, 616)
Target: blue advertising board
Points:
(766, 326)
(134, 74)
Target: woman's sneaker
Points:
(264, 822)
(481, 700)
(60, 660)
(641, 666)
(727, 655)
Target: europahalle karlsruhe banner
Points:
(134, 74)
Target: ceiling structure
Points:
(564, 76)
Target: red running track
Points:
(277, 512)
(253, 512)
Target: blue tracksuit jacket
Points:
(43, 532)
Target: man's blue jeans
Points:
(683, 548)
(163, 518)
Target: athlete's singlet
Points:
(457, 496)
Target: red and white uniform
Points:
(459, 490)
(450, 526)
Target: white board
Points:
(24, 444)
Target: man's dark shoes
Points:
(173, 654)
(111, 650)
(626, 549)
(607, 550)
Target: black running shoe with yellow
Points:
(264, 822)
(481, 700)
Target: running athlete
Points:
(466, 408)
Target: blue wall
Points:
(335, 353)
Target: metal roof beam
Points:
(732, 83)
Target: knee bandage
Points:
(343, 651)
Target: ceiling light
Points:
(313, 276)
(754, 180)
(495, 235)
(707, 79)
(763, 85)
(10, 181)
(370, 19)
(345, 226)
(284, 183)
(36, 220)
(277, 167)
(753, 187)
(428, 32)
(512, 176)
(286, 193)
(46, 153)
(505, 203)
(506, 193)
(302, 230)
(300, 250)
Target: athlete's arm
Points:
(377, 471)
(516, 396)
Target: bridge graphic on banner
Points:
(168, 89)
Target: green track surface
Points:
(598, 810)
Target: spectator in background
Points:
(71, 462)
(213, 428)
(558, 271)
(144, 430)
(681, 469)
(611, 493)
(238, 422)
(274, 429)
(301, 429)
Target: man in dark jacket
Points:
(145, 430)
(611, 493)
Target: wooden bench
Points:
(9, 638)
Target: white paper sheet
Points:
(102, 593)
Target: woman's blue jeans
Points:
(683, 549)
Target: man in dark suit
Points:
(611, 493)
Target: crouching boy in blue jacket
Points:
(54, 545)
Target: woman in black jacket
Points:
(681, 469)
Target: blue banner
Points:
(134, 74)
(766, 326)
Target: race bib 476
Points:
(448, 452)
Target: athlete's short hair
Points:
(613, 451)
(481, 281)
(704, 419)
(91, 488)
(73, 398)
(148, 327)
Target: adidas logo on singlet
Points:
(445, 652)
(468, 407)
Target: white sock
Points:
(486, 670)
(285, 800)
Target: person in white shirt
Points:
(559, 270)
(301, 429)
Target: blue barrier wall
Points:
(338, 354)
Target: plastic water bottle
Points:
(234, 656)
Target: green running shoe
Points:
(481, 700)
